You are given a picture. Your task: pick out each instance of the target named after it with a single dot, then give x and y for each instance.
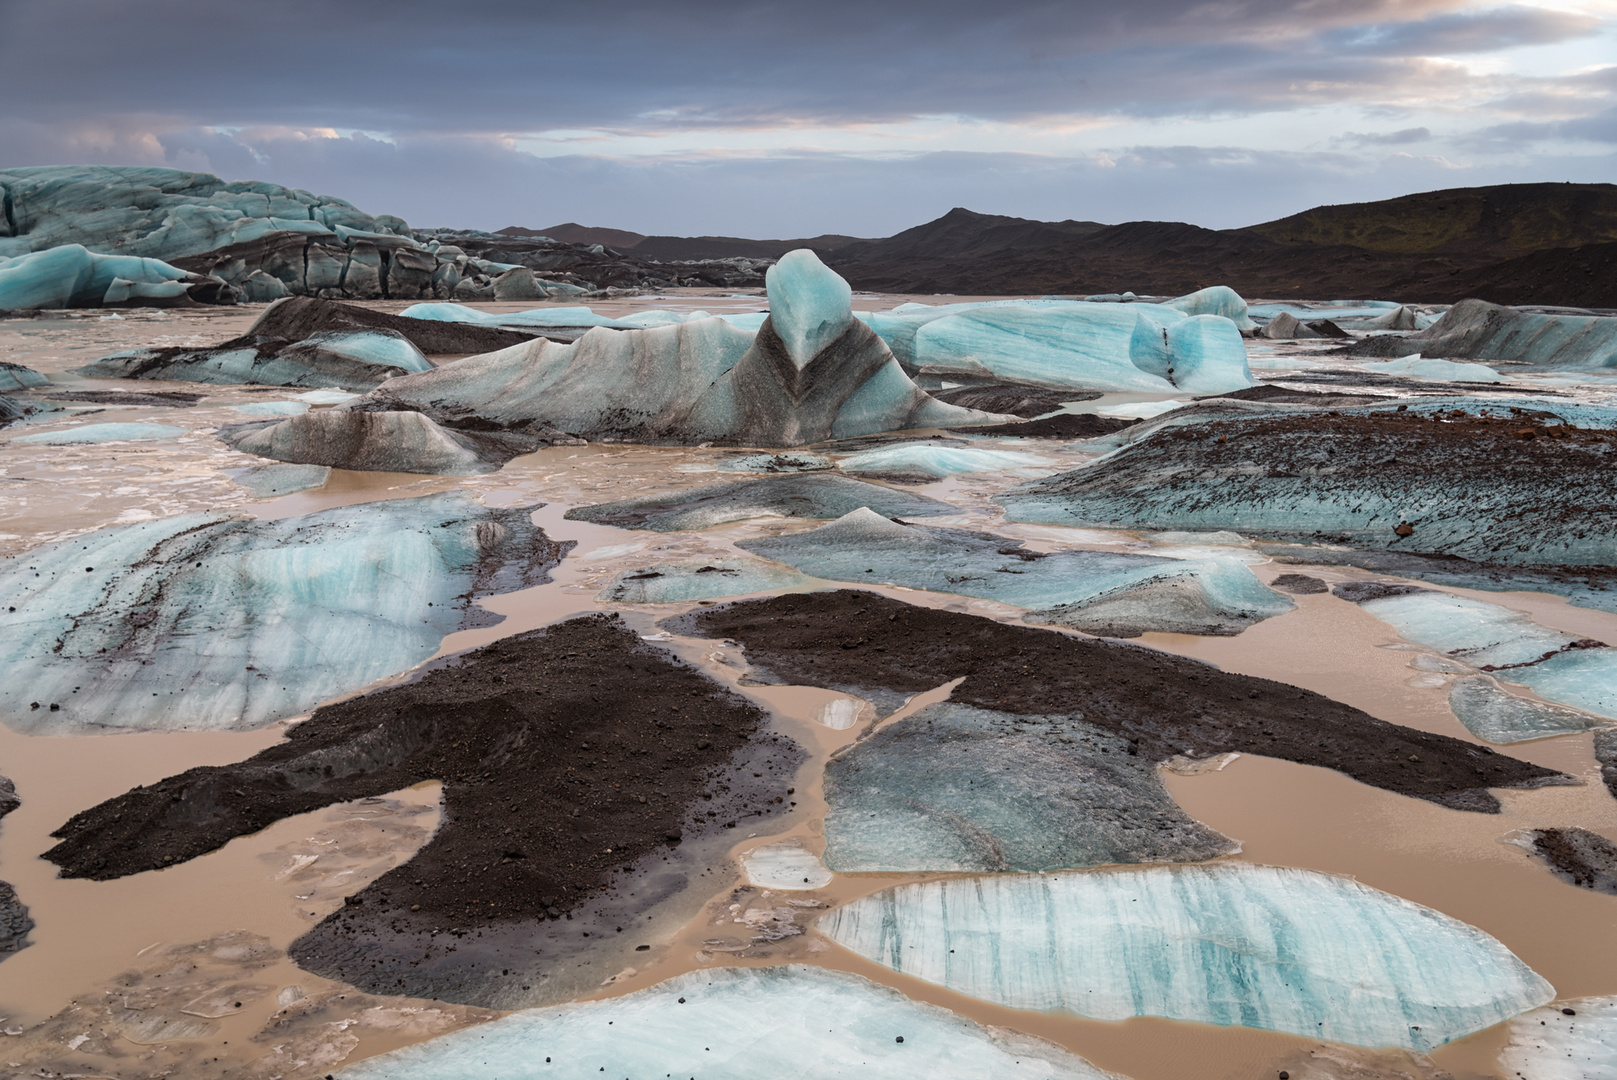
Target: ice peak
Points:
(810, 305)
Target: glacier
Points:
(668, 583)
(1557, 667)
(735, 1024)
(1232, 943)
(214, 621)
(1548, 1044)
(1096, 591)
(957, 788)
(73, 276)
(799, 495)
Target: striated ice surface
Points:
(72, 276)
(964, 789)
(669, 583)
(208, 620)
(271, 480)
(1547, 1044)
(938, 461)
(734, 1024)
(810, 305)
(807, 495)
(1557, 667)
(1230, 944)
(1490, 713)
(17, 377)
(99, 433)
(273, 408)
(865, 546)
(787, 865)
(1415, 366)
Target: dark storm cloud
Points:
(405, 67)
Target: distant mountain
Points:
(571, 233)
(683, 248)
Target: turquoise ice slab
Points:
(17, 377)
(1488, 712)
(267, 481)
(1547, 1044)
(966, 789)
(1419, 367)
(99, 433)
(1229, 944)
(1557, 667)
(938, 461)
(213, 621)
(734, 1024)
(669, 583)
(864, 546)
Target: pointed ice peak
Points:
(810, 306)
(863, 524)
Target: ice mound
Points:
(937, 461)
(867, 547)
(955, 788)
(269, 481)
(695, 381)
(669, 583)
(1490, 713)
(1548, 1044)
(1376, 478)
(1066, 345)
(1310, 954)
(213, 621)
(1557, 667)
(406, 442)
(100, 433)
(346, 359)
(17, 377)
(775, 463)
(808, 495)
(1415, 366)
(787, 865)
(272, 408)
(1215, 300)
(1478, 330)
(72, 276)
(735, 1024)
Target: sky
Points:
(793, 120)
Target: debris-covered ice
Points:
(209, 620)
(810, 495)
(1289, 950)
(1476, 329)
(786, 865)
(735, 1024)
(1570, 1040)
(667, 583)
(965, 789)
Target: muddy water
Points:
(277, 883)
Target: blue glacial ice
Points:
(344, 359)
(214, 621)
(17, 377)
(1507, 644)
(1098, 592)
(809, 304)
(799, 495)
(956, 788)
(272, 408)
(381, 347)
(1477, 330)
(1415, 366)
(1218, 300)
(668, 583)
(928, 459)
(72, 276)
(1231, 943)
(1490, 713)
(734, 1024)
(271, 481)
(100, 433)
(1547, 1044)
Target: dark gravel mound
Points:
(1577, 855)
(162, 399)
(299, 317)
(1324, 399)
(568, 756)
(1164, 705)
(1060, 426)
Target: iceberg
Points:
(345, 359)
(1415, 366)
(1490, 713)
(271, 481)
(1218, 300)
(214, 621)
(669, 583)
(935, 462)
(774, 463)
(1478, 330)
(1557, 667)
(806, 495)
(1092, 590)
(697, 381)
(100, 433)
(956, 788)
(73, 276)
(787, 866)
(735, 1024)
(16, 377)
(406, 442)
(1571, 1040)
(1297, 951)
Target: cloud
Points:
(1390, 138)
